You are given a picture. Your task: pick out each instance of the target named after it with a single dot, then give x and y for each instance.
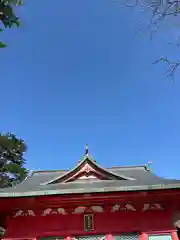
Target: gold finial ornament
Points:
(86, 150)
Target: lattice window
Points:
(133, 236)
(92, 237)
(52, 238)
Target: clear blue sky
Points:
(74, 74)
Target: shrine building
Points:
(90, 202)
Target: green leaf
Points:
(17, 23)
(3, 45)
(8, 15)
(21, 3)
(12, 170)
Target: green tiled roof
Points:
(136, 178)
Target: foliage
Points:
(12, 170)
(8, 17)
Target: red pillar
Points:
(174, 235)
(110, 237)
(144, 236)
(68, 238)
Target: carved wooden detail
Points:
(50, 211)
(126, 207)
(87, 168)
(79, 210)
(83, 209)
(97, 209)
(87, 177)
(131, 207)
(154, 206)
(21, 213)
(86, 172)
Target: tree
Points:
(161, 11)
(12, 170)
(8, 17)
(165, 10)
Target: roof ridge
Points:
(129, 166)
(66, 170)
(48, 171)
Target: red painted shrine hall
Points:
(90, 202)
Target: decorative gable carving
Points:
(87, 177)
(87, 169)
(86, 172)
